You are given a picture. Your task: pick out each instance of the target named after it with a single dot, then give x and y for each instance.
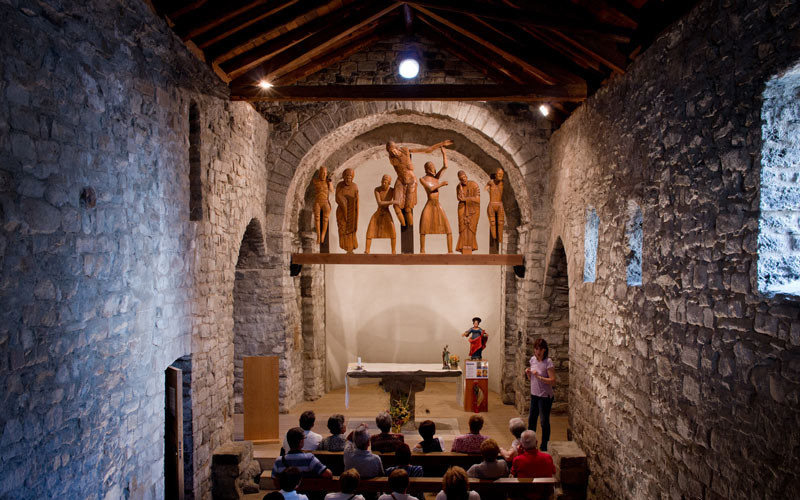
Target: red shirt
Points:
(533, 463)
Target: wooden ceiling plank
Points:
(241, 22)
(564, 17)
(343, 51)
(544, 71)
(474, 55)
(606, 13)
(529, 92)
(211, 15)
(269, 27)
(185, 9)
(611, 57)
(301, 53)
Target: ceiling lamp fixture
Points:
(544, 110)
(264, 84)
(409, 68)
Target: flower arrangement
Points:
(400, 412)
(454, 361)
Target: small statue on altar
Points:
(322, 205)
(445, 358)
(405, 188)
(477, 337)
(495, 209)
(347, 211)
(433, 219)
(381, 225)
(468, 194)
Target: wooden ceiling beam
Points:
(347, 47)
(302, 53)
(544, 71)
(607, 14)
(609, 56)
(405, 92)
(469, 52)
(564, 17)
(225, 46)
(211, 15)
(177, 12)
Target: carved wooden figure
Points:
(347, 211)
(469, 205)
(495, 209)
(405, 188)
(381, 225)
(433, 220)
(322, 205)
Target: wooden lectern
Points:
(261, 399)
(476, 386)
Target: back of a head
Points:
(349, 480)
(427, 429)
(361, 437)
(454, 483)
(307, 420)
(384, 421)
(336, 423)
(402, 454)
(294, 437)
(516, 426)
(528, 440)
(398, 480)
(490, 450)
(275, 495)
(475, 424)
(289, 479)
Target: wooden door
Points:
(173, 435)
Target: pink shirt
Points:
(539, 388)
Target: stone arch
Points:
(195, 163)
(250, 304)
(555, 324)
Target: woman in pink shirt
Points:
(542, 375)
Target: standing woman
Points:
(542, 374)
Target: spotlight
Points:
(409, 68)
(264, 84)
(544, 110)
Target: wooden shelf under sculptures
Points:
(409, 259)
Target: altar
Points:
(401, 380)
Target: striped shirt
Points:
(308, 464)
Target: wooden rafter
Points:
(302, 53)
(212, 15)
(530, 92)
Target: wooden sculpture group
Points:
(403, 197)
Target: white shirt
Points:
(342, 496)
(293, 495)
(397, 496)
(312, 440)
(473, 495)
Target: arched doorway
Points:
(250, 305)
(556, 323)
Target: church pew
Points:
(418, 486)
(434, 464)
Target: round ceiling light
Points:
(409, 68)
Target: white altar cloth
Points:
(395, 370)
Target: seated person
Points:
(275, 495)
(357, 455)
(531, 462)
(385, 441)
(403, 457)
(289, 479)
(398, 482)
(336, 441)
(470, 443)
(490, 468)
(455, 486)
(313, 439)
(349, 483)
(516, 426)
(430, 442)
(306, 463)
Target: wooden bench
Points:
(433, 464)
(418, 486)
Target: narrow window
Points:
(195, 183)
(590, 245)
(634, 237)
(778, 228)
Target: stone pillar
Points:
(233, 471)
(572, 470)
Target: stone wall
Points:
(105, 280)
(686, 386)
